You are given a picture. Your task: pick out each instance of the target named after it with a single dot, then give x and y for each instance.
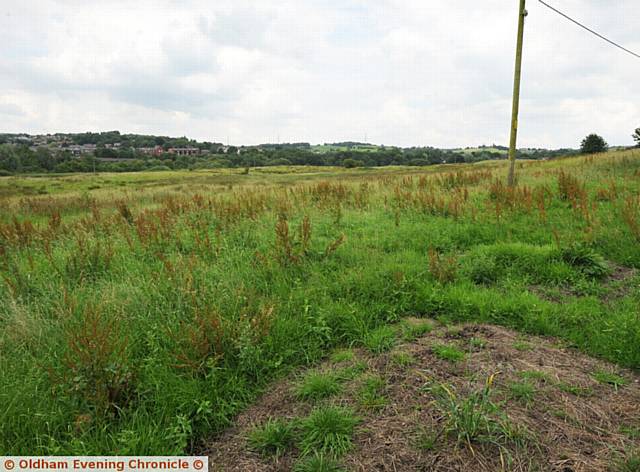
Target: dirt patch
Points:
(569, 421)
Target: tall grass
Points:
(141, 321)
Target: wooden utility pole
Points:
(522, 13)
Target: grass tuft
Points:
(273, 438)
(380, 339)
(317, 463)
(318, 385)
(328, 430)
(448, 352)
(609, 378)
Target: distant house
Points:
(186, 151)
(79, 149)
(151, 151)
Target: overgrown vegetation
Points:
(140, 312)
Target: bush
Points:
(352, 163)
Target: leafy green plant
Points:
(329, 430)
(273, 438)
(586, 260)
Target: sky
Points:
(394, 72)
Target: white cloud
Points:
(404, 72)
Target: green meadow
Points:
(141, 312)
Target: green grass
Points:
(342, 355)
(412, 330)
(537, 375)
(370, 394)
(195, 290)
(328, 430)
(630, 463)
(576, 390)
(380, 339)
(609, 378)
(448, 353)
(475, 418)
(273, 438)
(402, 359)
(427, 439)
(523, 392)
(318, 385)
(522, 346)
(317, 463)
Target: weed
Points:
(442, 269)
(96, 366)
(328, 430)
(380, 339)
(318, 385)
(476, 418)
(586, 260)
(448, 352)
(273, 438)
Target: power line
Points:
(590, 30)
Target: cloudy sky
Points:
(401, 72)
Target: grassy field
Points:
(140, 313)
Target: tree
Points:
(636, 136)
(593, 144)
